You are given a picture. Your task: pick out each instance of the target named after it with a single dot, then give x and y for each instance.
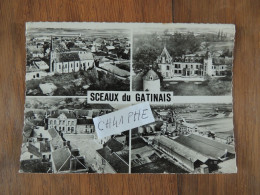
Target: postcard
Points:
(128, 98)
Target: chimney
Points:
(64, 143)
(68, 144)
(73, 164)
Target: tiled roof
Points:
(53, 133)
(28, 129)
(45, 146)
(114, 145)
(117, 163)
(32, 149)
(99, 106)
(85, 121)
(68, 115)
(73, 56)
(61, 159)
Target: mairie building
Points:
(192, 66)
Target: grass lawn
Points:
(213, 87)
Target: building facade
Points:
(191, 66)
(64, 122)
(66, 62)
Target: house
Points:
(83, 113)
(64, 122)
(225, 137)
(33, 72)
(30, 152)
(63, 161)
(28, 131)
(41, 65)
(85, 126)
(99, 108)
(102, 140)
(45, 150)
(56, 140)
(109, 49)
(192, 66)
(110, 160)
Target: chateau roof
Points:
(151, 74)
(165, 54)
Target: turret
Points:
(151, 81)
(209, 65)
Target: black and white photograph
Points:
(187, 59)
(66, 61)
(71, 58)
(185, 138)
(59, 137)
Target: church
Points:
(70, 61)
(191, 66)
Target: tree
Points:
(146, 56)
(68, 100)
(70, 44)
(183, 43)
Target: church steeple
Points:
(51, 46)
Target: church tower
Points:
(52, 57)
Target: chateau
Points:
(192, 66)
